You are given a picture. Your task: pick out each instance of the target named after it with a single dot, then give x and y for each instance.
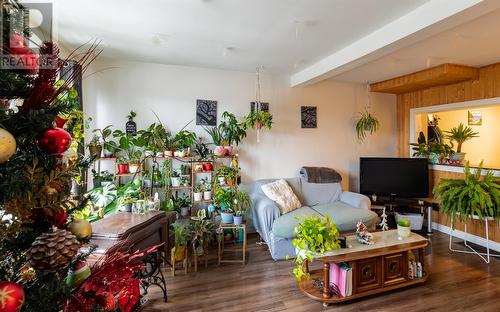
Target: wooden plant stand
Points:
(377, 268)
(221, 241)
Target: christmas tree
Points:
(41, 268)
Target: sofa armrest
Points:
(264, 212)
(355, 199)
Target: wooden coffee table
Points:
(376, 268)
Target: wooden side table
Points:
(221, 242)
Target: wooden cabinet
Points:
(367, 274)
(395, 268)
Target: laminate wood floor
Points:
(457, 282)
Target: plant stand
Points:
(221, 242)
(196, 258)
(472, 250)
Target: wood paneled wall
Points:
(486, 86)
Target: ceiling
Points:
(284, 36)
(474, 43)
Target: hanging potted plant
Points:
(258, 120)
(233, 132)
(241, 203)
(460, 135)
(366, 123)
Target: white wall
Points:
(112, 88)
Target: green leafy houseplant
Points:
(314, 234)
(105, 133)
(233, 131)
(201, 150)
(155, 137)
(223, 198)
(367, 122)
(460, 135)
(184, 139)
(241, 202)
(216, 134)
(201, 230)
(475, 195)
(258, 120)
(131, 146)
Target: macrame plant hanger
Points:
(257, 100)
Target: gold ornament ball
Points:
(7, 145)
(82, 229)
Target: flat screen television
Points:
(394, 177)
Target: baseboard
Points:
(470, 238)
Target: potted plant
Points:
(367, 122)
(258, 120)
(229, 174)
(198, 193)
(217, 139)
(201, 230)
(313, 234)
(130, 146)
(181, 241)
(474, 196)
(241, 203)
(109, 146)
(175, 179)
(201, 150)
(95, 147)
(404, 228)
(154, 137)
(99, 178)
(233, 132)
(128, 194)
(122, 165)
(184, 139)
(207, 189)
(182, 204)
(460, 135)
(223, 198)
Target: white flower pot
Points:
(222, 180)
(237, 220)
(148, 153)
(168, 153)
(197, 196)
(175, 181)
(207, 195)
(404, 231)
(133, 168)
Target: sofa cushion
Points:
(319, 193)
(282, 194)
(284, 225)
(345, 216)
(295, 184)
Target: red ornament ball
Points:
(11, 297)
(22, 57)
(107, 301)
(59, 218)
(54, 141)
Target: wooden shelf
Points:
(128, 174)
(203, 201)
(181, 187)
(106, 158)
(317, 293)
(203, 172)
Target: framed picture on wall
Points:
(264, 106)
(308, 117)
(475, 118)
(206, 113)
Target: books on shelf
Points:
(414, 269)
(341, 277)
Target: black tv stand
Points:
(393, 204)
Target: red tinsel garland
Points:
(112, 275)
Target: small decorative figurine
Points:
(383, 224)
(362, 234)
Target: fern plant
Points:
(473, 195)
(366, 122)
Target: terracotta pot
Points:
(208, 166)
(122, 168)
(231, 181)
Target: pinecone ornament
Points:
(53, 250)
